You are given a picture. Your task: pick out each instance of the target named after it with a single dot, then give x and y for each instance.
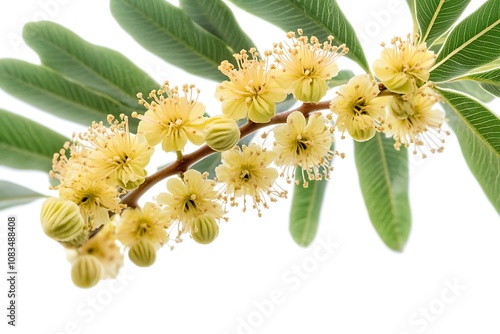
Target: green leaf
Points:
(12, 194)
(97, 67)
(341, 78)
(171, 34)
(411, 6)
(477, 130)
(25, 144)
(48, 90)
(306, 208)
(316, 18)
(469, 87)
(473, 42)
(435, 17)
(489, 80)
(216, 17)
(383, 177)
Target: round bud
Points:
(61, 219)
(142, 253)
(400, 107)
(221, 133)
(204, 229)
(86, 271)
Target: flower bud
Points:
(86, 271)
(221, 133)
(61, 219)
(204, 229)
(142, 253)
(400, 108)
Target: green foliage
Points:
(48, 90)
(216, 17)
(316, 18)
(25, 144)
(472, 43)
(435, 17)
(477, 130)
(99, 68)
(383, 177)
(171, 34)
(489, 80)
(12, 194)
(306, 208)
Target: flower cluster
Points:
(102, 172)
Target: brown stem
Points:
(179, 166)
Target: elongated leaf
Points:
(318, 18)
(470, 87)
(383, 177)
(411, 6)
(100, 68)
(305, 209)
(48, 90)
(12, 194)
(25, 144)
(216, 17)
(478, 132)
(489, 80)
(169, 33)
(435, 17)
(473, 42)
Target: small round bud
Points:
(86, 271)
(61, 219)
(204, 229)
(142, 253)
(221, 133)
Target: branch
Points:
(182, 165)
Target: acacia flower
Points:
(118, 156)
(172, 119)
(306, 65)
(414, 120)
(148, 223)
(246, 172)
(359, 108)
(304, 144)
(189, 197)
(104, 248)
(405, 66)
(252, 90)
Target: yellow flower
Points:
(118, 156)
(148, 223)
(102, 246)
(304, 144)
(359, 109)
(307, 65)
(252, 90)
(189, 197)
(405, 66)
(172, 119)
(246, 172)
(413, 120)
(94, 197)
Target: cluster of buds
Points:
(99, 170)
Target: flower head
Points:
(118, 156)
(305, 144)
(252, 90)
(148, 223)
(246, 172)
(405, 66)
(189, 197)
(306, 65)
(172, 119)
(360, 111)
(414, 120)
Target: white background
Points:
(254, 278)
